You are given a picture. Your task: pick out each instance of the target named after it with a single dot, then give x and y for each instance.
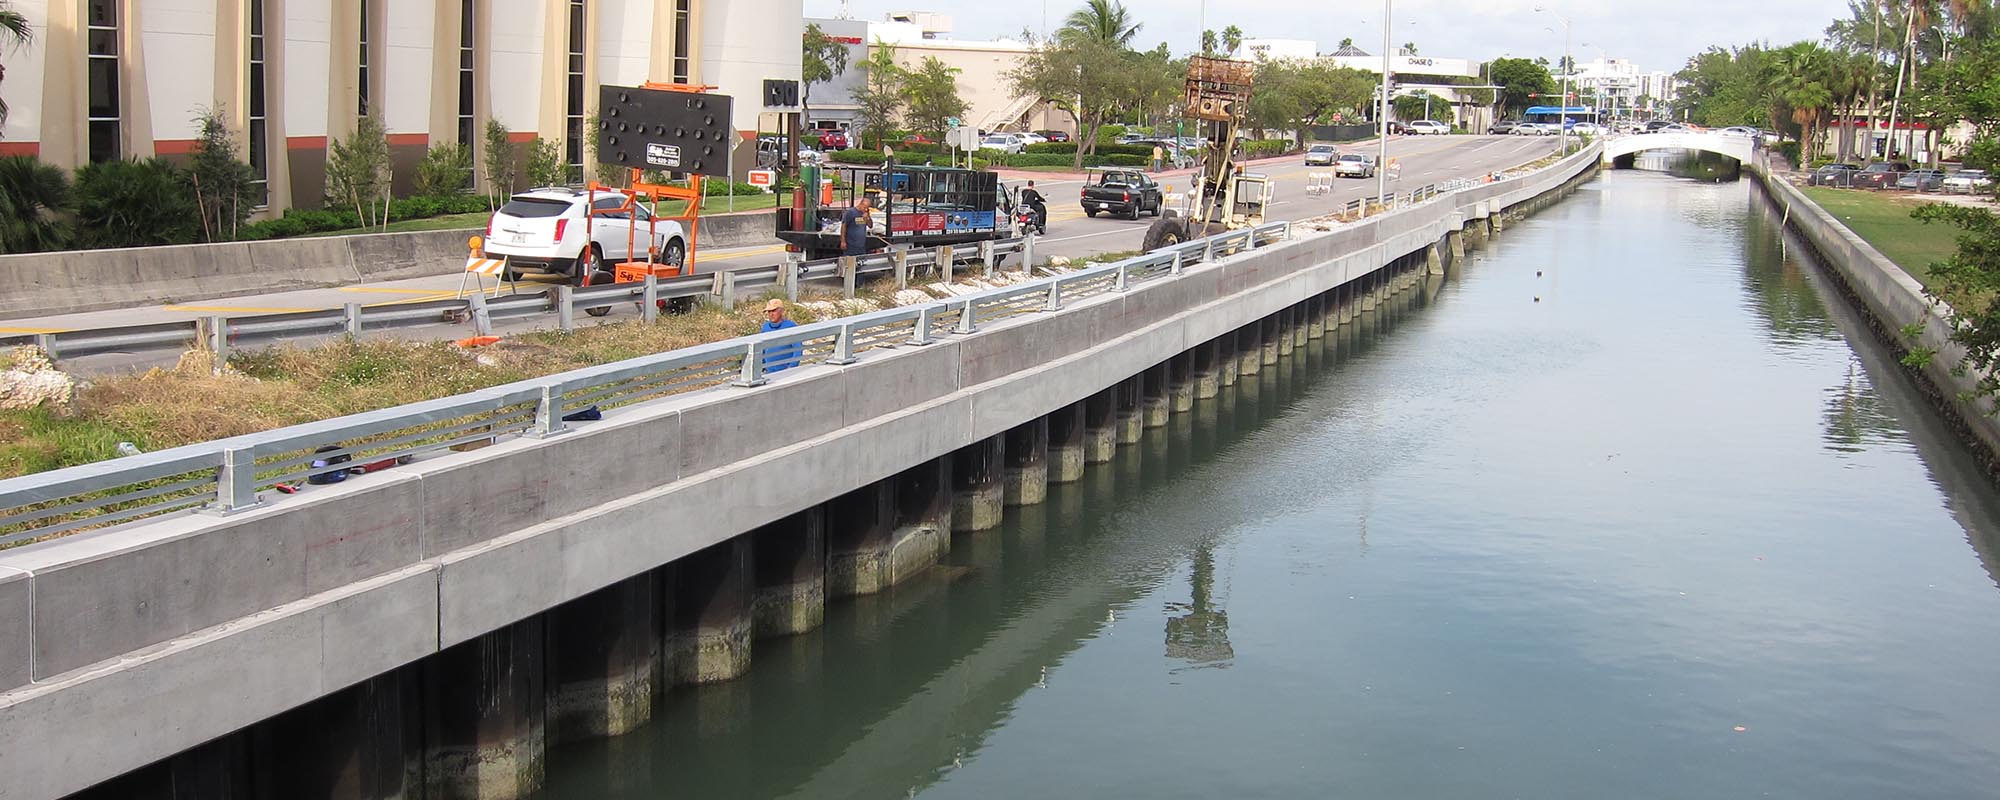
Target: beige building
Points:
(992, 103)
(107, 79)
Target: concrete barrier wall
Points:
(213, 623)
(1892, 298)
(39, 284)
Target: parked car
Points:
(1880, 175)
(1397, 128)
(1031, 137)
(833, 139)
(1054, 136)
(918, 138)
(1123, 191)
(1967, 181)
(1428, 127)
(1655, 126)
(1321, 155)
(1004, 142)
(1740, 130)
(771, 153)
(543, 231)
(1354, 165)
(1585, 128)
(1922, 180)
(1537, 129)
(1834, 175)
(1504, 127)
(1130, 137)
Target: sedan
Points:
(1428, 127)
(1967, 181)
(1003, 142)
(1504, 127)
(1354, 165)
(1322, 155)
(1739, 130)
(1922, 180)
(1834, 175)
(1585, 129)
(1053, 136)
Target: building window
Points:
(259, 149)
(682, 40)
(362, 110)
(102, 113)
(573, 108)
(465, 115)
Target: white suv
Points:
(1428, 127)
(542, 231)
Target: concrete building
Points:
(1279, 49)
(109, 79)
(992, 103)
(1619, 88)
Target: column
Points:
(1433, 260)
(1131, 415)
(1228, 360)
(1283, 331)
(366, 738)
(979, 493)
(1370, 288)
(485, 703)
(790, 556)
(1028, 463)
(923, 519)
(859, 525)
(1158, 405)
(1267, 333)
(712, 627)
(604, 661)
(1100, 423)
(1180, 383)
(1250, 349)
(1207, 374)
(1317, 315)
(1300, 314)
(1455, 243)
(1067, 444)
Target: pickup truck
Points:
(1126, 192)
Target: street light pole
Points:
(1382, 114)
(1562, 111)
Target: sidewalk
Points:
(1025, 175)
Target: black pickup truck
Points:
(1128, 192)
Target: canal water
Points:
(1629, 506)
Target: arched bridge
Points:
(1624, 147)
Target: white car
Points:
(1585, 129)
(1003, 142)
(1321, 155)
(1742, 131)
(1354, 165)
(1032, 137)
(1968, 181)
(1427, 127)
(542, 231)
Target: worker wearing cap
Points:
(784, 356)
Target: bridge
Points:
(1620, 150)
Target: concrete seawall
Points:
(210, 624)
(37, 284)
(1892, 299)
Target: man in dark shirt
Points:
(854, 224)
(1034, 200)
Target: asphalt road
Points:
(1424, 160)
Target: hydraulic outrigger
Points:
(1224, 197)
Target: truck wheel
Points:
(598, 311)
(1090, 212)
(1164, 232)
(1134, 213)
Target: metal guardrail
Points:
(219, 334)
(228, 475)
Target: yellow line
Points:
(240, 309)
(386, 290)
(34, 330)
(761, 251)
(424, 299)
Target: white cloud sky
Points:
(1657, 34)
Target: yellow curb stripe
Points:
(35, 330)
(238, 309)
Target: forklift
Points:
(1224, 197)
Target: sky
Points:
(1655, 34)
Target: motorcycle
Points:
(1024, 220)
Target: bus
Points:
(1554, 115)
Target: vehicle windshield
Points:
(535, 207)
(1320, 148)
(1119, 177)
(1352, 157)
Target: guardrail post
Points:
(753, 365)
(215, 333)
(1122, 280)
(1055, 297)
(848, 266)
(793, 264)
(548, 413)
(922, 335)
(1028, 254)
(649, 299)
(728, 289)
(843, 346)
(1208, 250)
(1179, 263)
(965, 322)
(566, 308)
(986, 256)
(482, 322)
(47, 343)
(902, 261)
(946, 262)
(350, 315)
(236, 481)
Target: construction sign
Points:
(1218, 89)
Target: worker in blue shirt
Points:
(784, 356)
(854, 224)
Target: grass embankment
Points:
(1883, 220)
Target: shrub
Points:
(224, 187)
(1103, 149)
(1790, 150)
(1108, 134)
(134, 204)
(546, 165)
(500, 164)
(358, 172)
(35, 199)
(444, 171)
(1265, 148)
(717, 187)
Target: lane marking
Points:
(387, 290)
(35, 330)
(237, 309)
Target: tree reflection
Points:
(1854, 416)
(1200, 636)
(1776, 286)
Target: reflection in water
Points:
(1200, 634)
(1777, 288)
(1855, 418)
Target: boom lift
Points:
(1224, 197)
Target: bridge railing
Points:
(230, 475)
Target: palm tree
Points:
(14, 31)
(1103, 22)
(1232, 39)
(1804, 71)
(34, 198)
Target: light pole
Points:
(1382, 114)
(1568, 67)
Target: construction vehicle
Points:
(915, 205)
(1224, 196)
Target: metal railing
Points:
(230, 475)
(219, 334)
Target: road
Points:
(1424, 160)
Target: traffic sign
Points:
(762, 177)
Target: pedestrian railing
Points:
(238, 473)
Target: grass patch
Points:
(1884, 221)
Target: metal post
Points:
(47, 343)
(986, 256)
(217, 334)
(728, 288)
(649, 299)
(566, 307)
(753, 365)
(350, 314)
(1382, 113)
(945, 258)
(1028, 254)
(966, 324)
(792, 266)
(902, 261)
(1055, 297)
(548, 413)
(843, 345)
(1208, 250)
(482, 323)
(236, 481)
(922, 335)
(847, 269)
(1179, 258)
(1123, 278)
